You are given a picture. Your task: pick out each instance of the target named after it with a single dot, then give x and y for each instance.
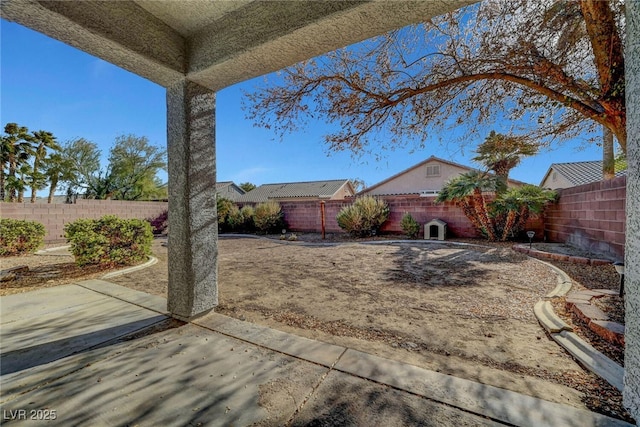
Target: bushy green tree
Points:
(133, 167)
(247, 186)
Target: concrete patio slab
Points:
(293, 345)
(34, 340)
(493, 402)
(343, 400)
(48, 300)
(152, 302)
(101, 360)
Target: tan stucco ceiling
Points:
(215, 43)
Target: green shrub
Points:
(268, 216)
(410, 226)
(18, 237)
(364, 217)
(224, 208)
(247, 213)
(240, 220)
(109, 241)
(350, 219)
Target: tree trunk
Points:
(609, 61)
(470, 213)
(52, 190)
(480, 206)
(508, 225)
(12, 173)
(608, 158)
(2, 192)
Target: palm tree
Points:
(22, 179)
(16, 148)
(468, 191)
(501, 153)
(58, 168)
(43, 140)
(518, 205)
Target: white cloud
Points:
(249, 174)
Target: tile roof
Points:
(288, 190)
(579, 173)
(229, 190)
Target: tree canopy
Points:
(130, 175)
(496, 211)
(36, 160)
(554, 70)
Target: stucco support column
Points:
(193, 225)
(632, 250)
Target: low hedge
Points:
(109, 241)
(19, 237)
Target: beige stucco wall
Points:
(558, 182)
(416, 180)
(343, 192)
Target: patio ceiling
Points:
(215, 43)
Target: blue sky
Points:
(45, 84)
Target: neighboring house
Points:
(426, 178)
(315, 190)
(229, 190)
(565, 175)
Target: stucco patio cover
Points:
(215, 43)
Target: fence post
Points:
(322, 217)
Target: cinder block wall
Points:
(591, 217)
(54, 216)
(305, 216)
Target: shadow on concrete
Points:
(40, 354)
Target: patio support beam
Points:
(193, 224)
(632, 250)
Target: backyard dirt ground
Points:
(459, 309)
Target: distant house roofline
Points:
(422, 163)
(323, 189)
(578, 173)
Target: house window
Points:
(433, 170)
(554, 176)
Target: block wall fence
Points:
(590, 216)
(306, 216)
(54, 216)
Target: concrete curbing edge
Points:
(549, 319)
(56, 248)
(152, 260)
(591, 358)
(561, 333)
